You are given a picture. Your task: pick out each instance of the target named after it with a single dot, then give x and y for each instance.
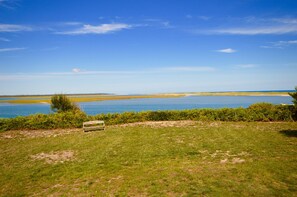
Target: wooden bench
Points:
(93, 125)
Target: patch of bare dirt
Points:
(237, 160)
(37, 133)
(226, 157)
(158, 124)
(55, 157)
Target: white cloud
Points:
(100, 29)
(14, 28)
(11, 49)
(76, 70)
(228, 50)
(4, 39)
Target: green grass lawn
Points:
(157, 159)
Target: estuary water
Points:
(119, 106)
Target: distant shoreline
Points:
(169, 93)
(43, 99)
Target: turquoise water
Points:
(119, 106)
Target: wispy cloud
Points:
(189, 16)
(10, 4)
(166, 24)
(50, 49)
(99, 29)
(228, 50)
(14, 28)
(246, 66)
(71, 23)
(285, 29)
(4, 39)
(205, 18)
(80, 72)
(11, 49)
(285, 20)
(156, 22)
(285, 43)
(254, 26)
(190, 68)
(280, 44)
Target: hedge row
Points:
(256, 112)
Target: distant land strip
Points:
(45, 99)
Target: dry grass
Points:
(160, 124)
(86, 98)
(54, 157)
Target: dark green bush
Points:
(74, 119)
(269, 112)
(294, 108)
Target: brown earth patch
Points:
(37, 133)
(158, 124)
(54, 157)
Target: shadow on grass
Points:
(289, 133)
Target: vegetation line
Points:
(100, 97)
(263, 112)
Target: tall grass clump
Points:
(61, 103)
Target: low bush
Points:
(74, 119)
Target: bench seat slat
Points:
(93, 125)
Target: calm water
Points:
(119, 106)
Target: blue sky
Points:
(147, 46)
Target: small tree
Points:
(61, 103)
(294, 96)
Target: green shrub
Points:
(294, 109)
(75, 119)
(269, 112)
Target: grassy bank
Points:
(257, 112)
(155, 159)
